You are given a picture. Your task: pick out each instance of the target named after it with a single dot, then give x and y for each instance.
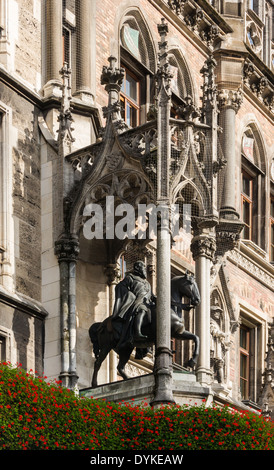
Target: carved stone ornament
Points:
(259, 85)
(230, 98)
(203, 245)
(113, 273)
(67, 249)
(254, 36)
(177, 5)
(65, 118)
(112, 77)
(188, 111)
(196, 19)
(114, 160)
(163, 75)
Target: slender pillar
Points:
(163, 354)
(229, 102)
(64, 321)
(85, 52)
(113, 277)
(67, 249)
(54, 47)
(72, 324)
(203, 248)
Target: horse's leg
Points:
(124, 356)
(98, 361)
(186, 335)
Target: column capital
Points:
(67, 249)
(203, 245)
(111, 76)
(230, 99)
(113, 273)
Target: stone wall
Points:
(26, 193)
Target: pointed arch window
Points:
(253, 188)
(271, 235)
(247, 203)
(249, 356)
(244, 361)
(137, 57)
(130, 99)
(181, 85)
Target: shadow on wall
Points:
(21, 330)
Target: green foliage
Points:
(35, 414)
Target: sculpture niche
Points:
(133, 322)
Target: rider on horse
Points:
(133, 302)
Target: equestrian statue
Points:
(133, 320)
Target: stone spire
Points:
(163, 74)
(65, 118)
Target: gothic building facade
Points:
(141, 102)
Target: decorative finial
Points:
(163, 74)
(65, 116)
(112, 77)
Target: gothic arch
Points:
(127, 186)
(259, 153)
(249, 124)
(184, 86)
(254, 170)
(140, 43)
(188, 193)
(217, 300)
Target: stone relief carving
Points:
(231, 98)
(252, 268)
(254, 36)
(196, 20)
(259, 85)
(217, 344)
(127, 186)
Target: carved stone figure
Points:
(217, 344)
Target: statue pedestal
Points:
(140, 390)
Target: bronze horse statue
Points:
(105, 336)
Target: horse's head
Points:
(193, 290)
(188, 288)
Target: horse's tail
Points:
(93, 334)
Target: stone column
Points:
(85, 41)
(54, 47)
(67, 249)
(163, 354)
(229, 103)
(113, 277)
(203, 248)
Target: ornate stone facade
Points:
(158, 102)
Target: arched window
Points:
(181, 85)
(137, 57)
(253, 187)
(271, 225)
